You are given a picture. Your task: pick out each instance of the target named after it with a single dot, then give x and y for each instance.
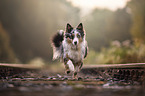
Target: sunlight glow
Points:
(87, 6)
(91, 4)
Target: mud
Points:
(58, 84)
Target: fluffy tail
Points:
(57, 44)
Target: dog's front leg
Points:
(68, 65)
(77, 69)
(67, 71)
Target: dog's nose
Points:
(75, 42)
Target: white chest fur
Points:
(76, 55)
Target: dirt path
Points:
(29, 82)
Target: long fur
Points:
(57, 44)
(70, 46)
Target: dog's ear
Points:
(69, 28)
(80, 26)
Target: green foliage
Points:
(118, 53)
(91, 58)
(6, 52)
(104, 27)
(137, 8)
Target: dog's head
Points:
(74, 36)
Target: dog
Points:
(70, 47)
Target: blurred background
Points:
(115, 29)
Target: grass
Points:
(118, 52)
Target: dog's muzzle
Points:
(75, 43)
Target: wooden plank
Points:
(129, 65)
(27, 66)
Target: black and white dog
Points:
(71, 47)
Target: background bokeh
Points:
(114, 36)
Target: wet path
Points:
(43, 83)
(29, 84)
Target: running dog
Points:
(70, 47)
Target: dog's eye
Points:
(72, 37)
(67, 35)
(78, 36)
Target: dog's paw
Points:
(67, 72)
(75, 77)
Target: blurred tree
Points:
(95, 26)
(6, 52)
(31, 23)
(104, 26)
(137, 8)
(118, 26)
